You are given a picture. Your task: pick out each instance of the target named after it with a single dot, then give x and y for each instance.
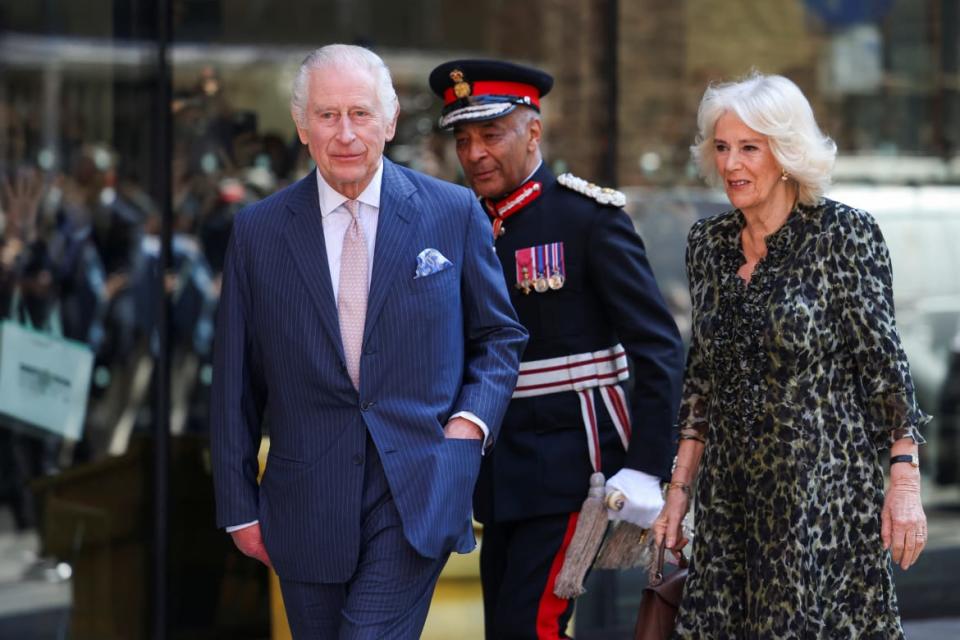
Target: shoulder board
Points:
(603, 195)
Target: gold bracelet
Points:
(683, 486)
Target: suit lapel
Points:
(304, 235)
(398, 212)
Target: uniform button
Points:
(357, 459)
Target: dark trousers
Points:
(519, 563)
(389, 593)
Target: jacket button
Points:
(365, 406)
(357, 459)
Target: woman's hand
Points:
(669, 524)
(903, 526)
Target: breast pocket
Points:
(445, 280)
(564, 310)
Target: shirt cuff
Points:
(237, 527)
(466, 415)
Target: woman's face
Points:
(750, 173)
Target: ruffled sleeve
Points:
(692, 418)
(865, 281)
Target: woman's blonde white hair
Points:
(776, 108)
(348, 58)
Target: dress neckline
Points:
(779, 245)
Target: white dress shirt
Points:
(336, 219)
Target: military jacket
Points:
(540, 463)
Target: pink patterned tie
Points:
(352, 295)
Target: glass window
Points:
(81, 223)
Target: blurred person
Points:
(796, 385)
(363, 315)
(99, 221)
(20, 197)
(582, 286)
(281, 154)
(26, 295)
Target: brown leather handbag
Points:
(657, 615)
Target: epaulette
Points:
(603, 195)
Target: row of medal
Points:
(540, 268)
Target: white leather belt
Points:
(583, 372)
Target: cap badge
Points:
(461, 89)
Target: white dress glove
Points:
(642, 497)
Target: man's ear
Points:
(301, 130)
(535, 130)
(392, 126)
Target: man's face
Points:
(345, 128)
(498, 155)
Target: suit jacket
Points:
(432, 346)
(541, 463)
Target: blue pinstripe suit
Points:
(433, 346)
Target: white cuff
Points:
(466, 415)
(237, 527)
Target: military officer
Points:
(600, 377)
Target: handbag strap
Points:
(656, 574)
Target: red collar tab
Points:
(528, 92)
(502, 209)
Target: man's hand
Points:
(642, 499)
(250, 542)
(462, 429)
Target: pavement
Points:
(939, 629)
(36, 595)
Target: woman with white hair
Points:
(796, 385)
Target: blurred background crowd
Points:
(80, 221)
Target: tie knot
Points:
(353, 207)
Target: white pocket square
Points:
(429, 262)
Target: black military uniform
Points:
(582, 287)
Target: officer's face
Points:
(345, 127)
(498, 155)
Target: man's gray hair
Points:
(775, 107)
(346, 57)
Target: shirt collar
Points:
(330, 198)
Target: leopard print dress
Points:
(796, 381)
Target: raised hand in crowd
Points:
(20, 203)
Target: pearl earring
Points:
(784, 176)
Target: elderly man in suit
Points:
(365, 320)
